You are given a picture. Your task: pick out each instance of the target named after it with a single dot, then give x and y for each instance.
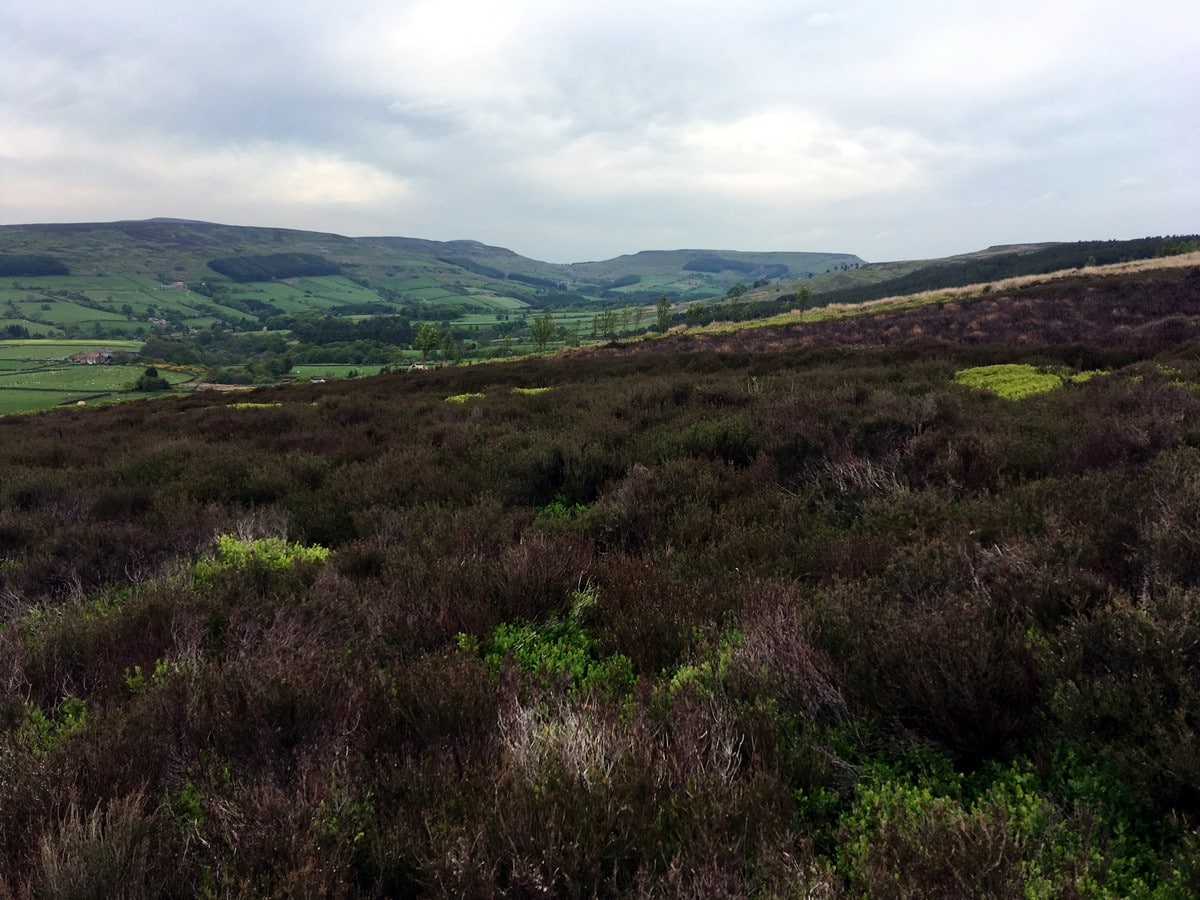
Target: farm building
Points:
(93, 357)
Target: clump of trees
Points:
(20, 265)
(273, 266)
(150, 380)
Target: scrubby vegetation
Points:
(815, 619)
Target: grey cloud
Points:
(570, 131)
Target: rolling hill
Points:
(253, 305)
(170, 250)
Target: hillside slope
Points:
(720, 619)
(1144, 312)
(175, 250)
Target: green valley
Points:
(245, 306)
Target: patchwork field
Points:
(42, 350)
(34, 375)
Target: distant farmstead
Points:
(93, 357)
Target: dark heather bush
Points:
(781, 612)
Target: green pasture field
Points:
(282, 297)
(412, 267)
(135, 300)
(297, 304)
(306, 294)
(65, 312)
(332, 370)
(30, 401)
(324, 291)
(35, 387)
(16, 400)
(580, 316)
(468, 301)
(34, 349)
(503, 304)
(85, 283)
(265, 291)
(98, 287)
(480, 304)
(420, 282)
(337, 288)
(476, 320)
(669, 283)
(42, 301)
(216, 309)
(486, 304)
(41, 327)
(79, 377)
(436, 294)
(177, 300)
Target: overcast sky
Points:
(580, 130)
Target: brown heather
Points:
(782, 613)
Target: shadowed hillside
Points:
(1144, 313)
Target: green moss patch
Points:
(1016, 381)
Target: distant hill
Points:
(700, 273)
(134, 279)
(181, 250)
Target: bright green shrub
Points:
(559, 508)
(272, 554)
(558, 650)
(1016, 381)
(41, 732)
(908, 837)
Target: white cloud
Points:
(575, 128)
(57, 170)
(283, 176)
(773, 156)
